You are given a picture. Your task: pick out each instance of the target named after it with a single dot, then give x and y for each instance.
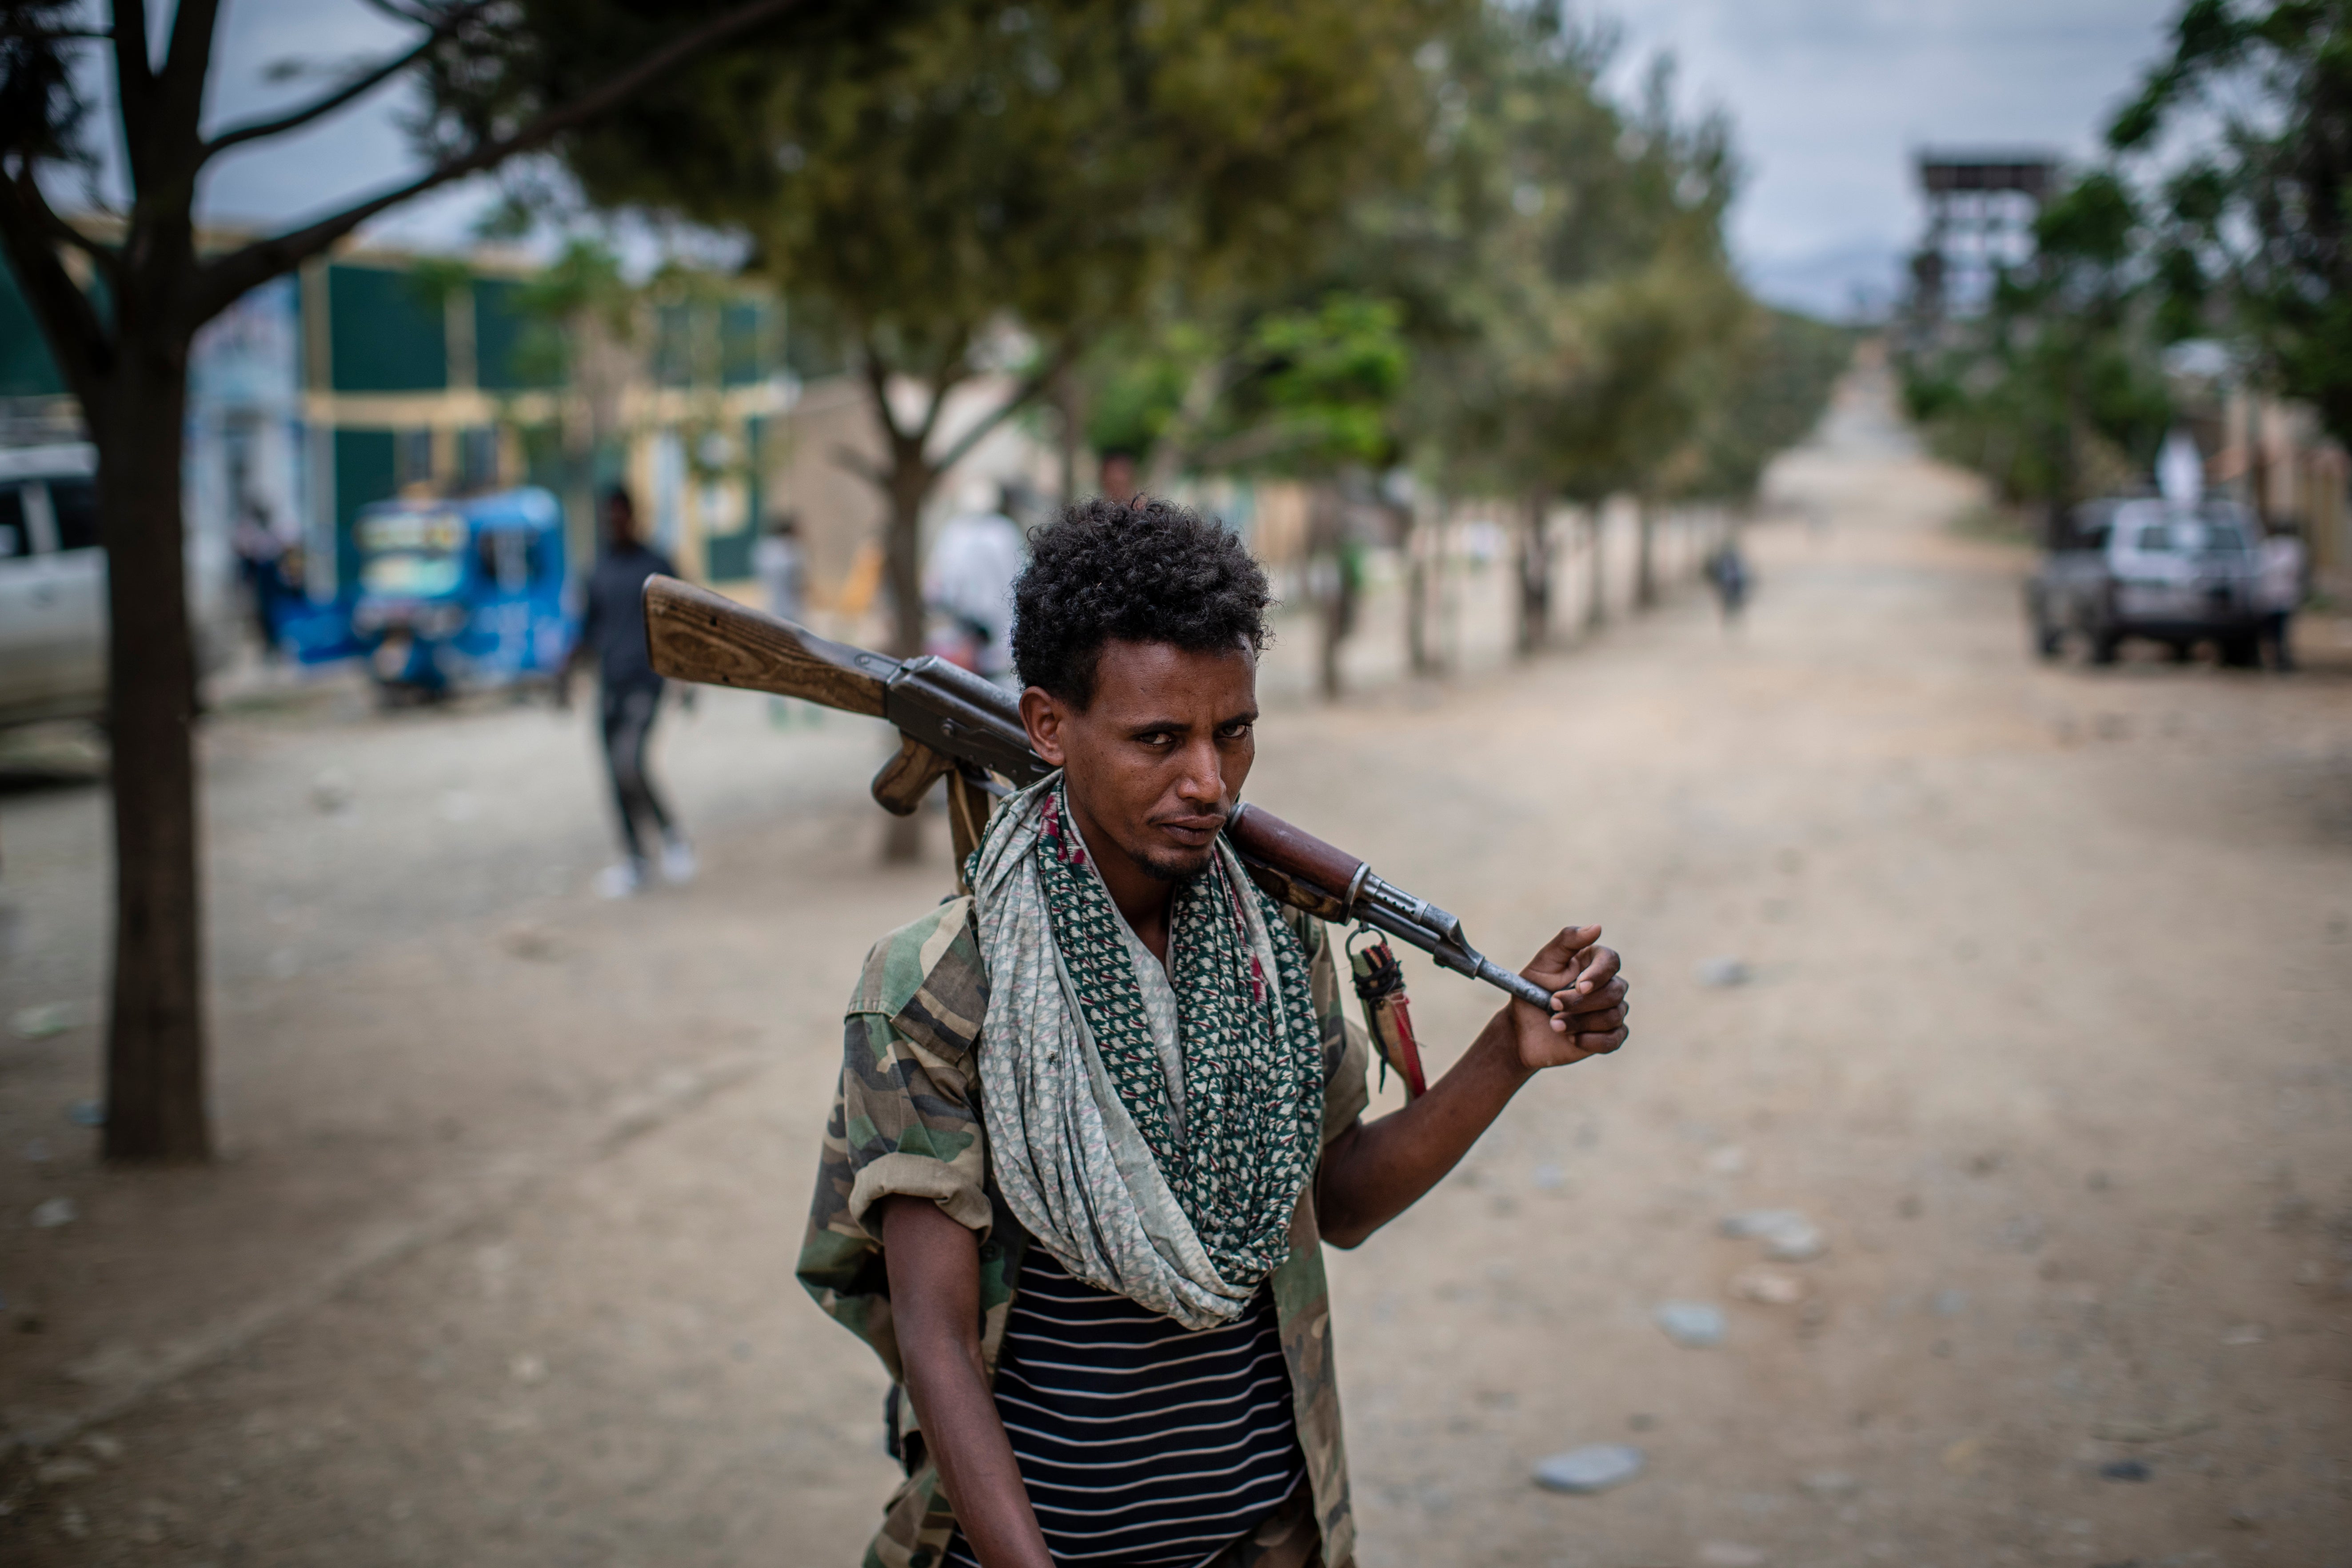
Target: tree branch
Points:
(223, 280)
(366, 81)
(941, 384)
(69, 322)
(187, 61)
(1208, 386)
(858, 463)
(944, 379)
(1022, 395)
(37, 211)
(414, 16)
(134, 79)
(877, 386)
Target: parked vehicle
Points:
(2141, 567)
(463, 593)
(53, 588)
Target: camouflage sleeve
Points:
(905, 1117)
(1346, 1049)
(910, 1124)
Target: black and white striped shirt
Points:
(1141, 1443)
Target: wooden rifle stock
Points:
(694, 634)
(954, 725)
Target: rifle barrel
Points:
(694, 634)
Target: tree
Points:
(1311, 394)
(1559, 263)
(2255, 227)
(1770, 383)
(973, 201)
(993, 192)
(117, 314)
(1555, 266)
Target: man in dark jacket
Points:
(614, 629)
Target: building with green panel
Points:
(373, 372)
(454, 377)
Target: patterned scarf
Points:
(1084, 1142)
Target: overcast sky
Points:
(1828, 99)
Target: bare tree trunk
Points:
(1596, 604)
(1535, 574)
(909, 481)
(1645, 565)
(127, 365)
(2258, 468)
(1419, 540)
(1067, 398)
(156, 1088)
(1327, 536)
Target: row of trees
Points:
(1332, 241)
(1346, 240)
(2221, 214)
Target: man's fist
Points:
(1588, 1001)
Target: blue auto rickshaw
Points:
(463, 594)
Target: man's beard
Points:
(1178, 866)
(1169, 869)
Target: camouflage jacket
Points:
(906, 1120)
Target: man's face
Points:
(1155, 762)
(620, 522)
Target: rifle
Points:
(955, 726)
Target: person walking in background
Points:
(968, 580)
(2278, 590)
(629, 696)
(1727, 574)
(783, 572)
(783, 577)
(260, 566)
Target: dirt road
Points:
(2046, 1025)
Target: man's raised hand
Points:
(1588, 1001)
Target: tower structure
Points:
(1982, 205)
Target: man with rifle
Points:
(1097, 1114)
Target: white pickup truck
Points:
(53, 588)
(2140, 567)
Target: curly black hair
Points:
(1138, 570)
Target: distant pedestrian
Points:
(1727, 574)
(260, 557)
(2279, 583)
(777, 563)
(630, 694)
(783, 572)
(969, 581)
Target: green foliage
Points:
(1136, 382)
(2057, 393)
(1768, 385)
(1321, 382)
(1551, 266)
(1561, 265)
(2252, 237)
(1297, 239)
(42, 112)
(1048, 166)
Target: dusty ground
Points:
(2047, 1029)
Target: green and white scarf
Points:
(1186, 1215)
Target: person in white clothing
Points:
(776, 561)
(968, 580)
(783, 572)
(2278, 590)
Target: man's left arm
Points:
(1375, 1172)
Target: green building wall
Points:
(26, 368)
